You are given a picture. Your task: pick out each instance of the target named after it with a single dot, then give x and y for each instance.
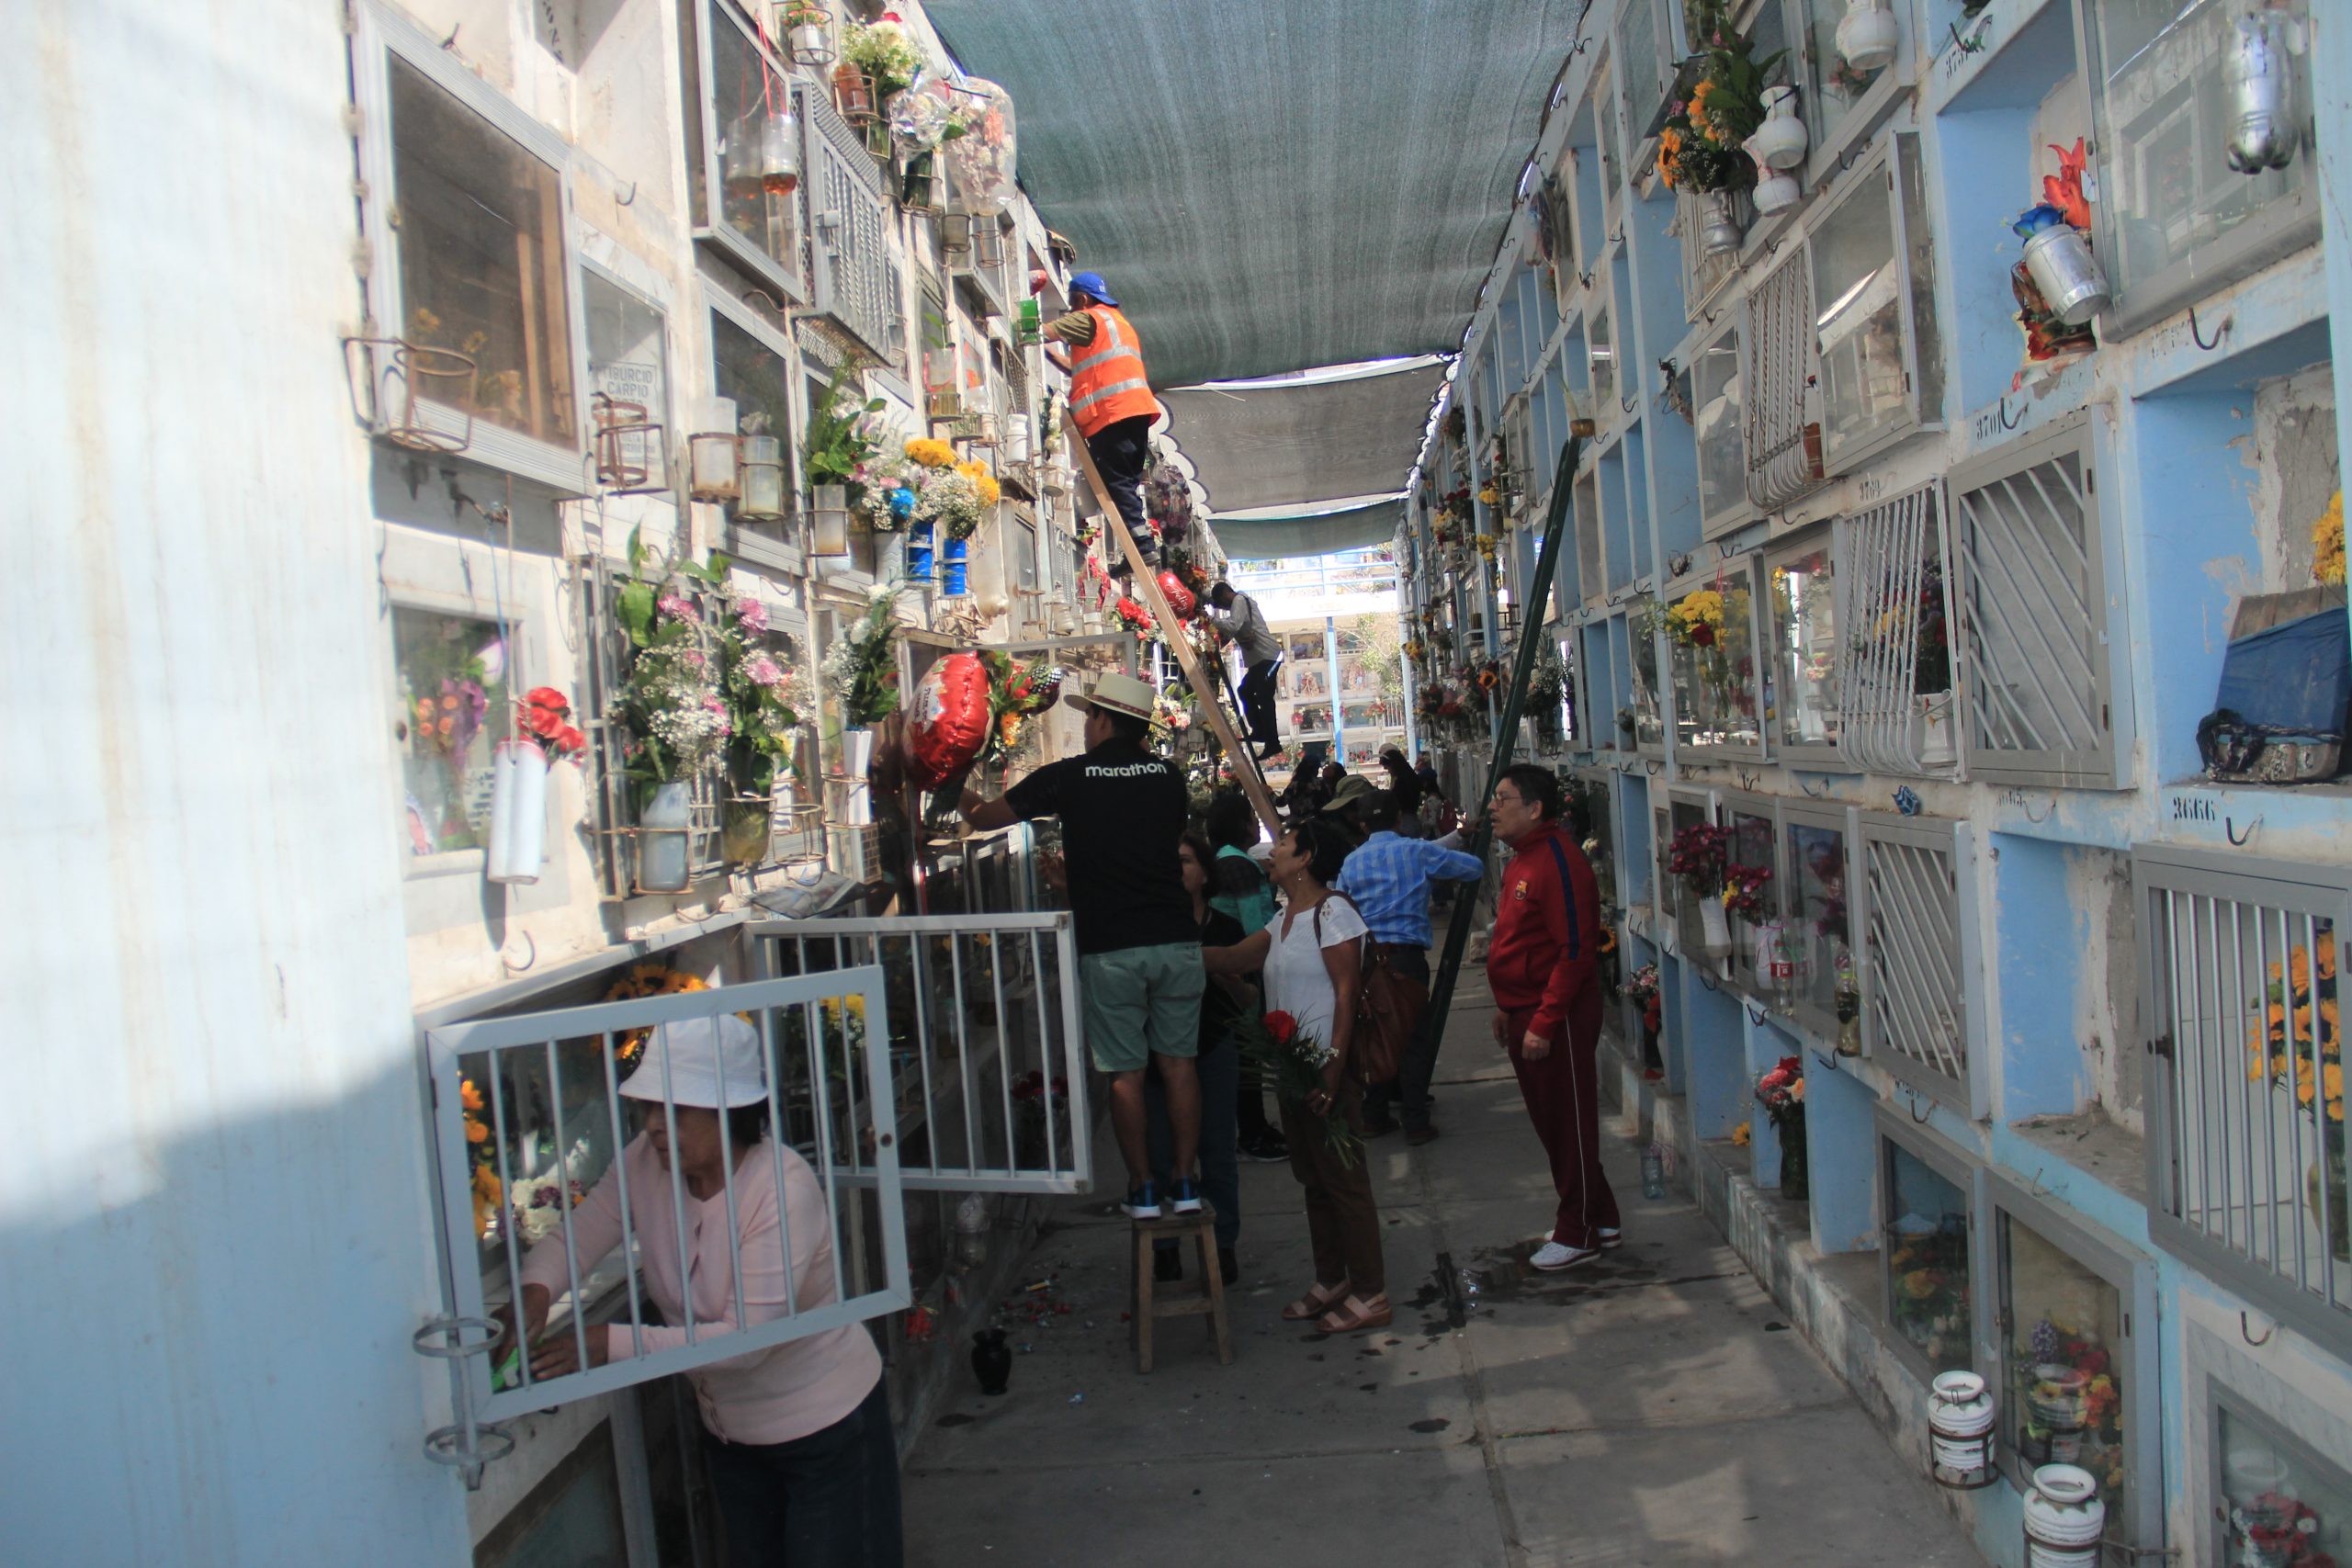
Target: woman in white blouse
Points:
(1312, 956)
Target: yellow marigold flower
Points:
(2327, 542)
(930, 453)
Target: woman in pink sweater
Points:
(797, 1444)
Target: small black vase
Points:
(1796, 1172)
(991, 1360)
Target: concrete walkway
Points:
(1651, 1408)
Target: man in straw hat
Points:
(1122, 811)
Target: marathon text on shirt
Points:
(1126, 771)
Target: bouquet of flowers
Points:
(1017, 693)
(641, 981)
(843, 437)
(1781, 1092)
(885, 53)
(861, 668)
(1697, 855)
(1132, 616)
(1744, 891)
(1279, 1053)
(545, 715)
(1696, 620)
(957, 499)
(1699, 150)
(1642, 987)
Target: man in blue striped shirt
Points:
(1390, 879)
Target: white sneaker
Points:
(1611, 1237)
(1552, 1256)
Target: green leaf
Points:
(635, 607)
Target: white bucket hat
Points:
(696, 1049)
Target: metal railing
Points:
(1917, 878)
(986, 1047)
(548, 1175)
(1891, 571)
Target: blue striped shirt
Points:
(1390, 879)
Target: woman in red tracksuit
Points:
(1544, 963)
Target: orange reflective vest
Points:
(1107, 382)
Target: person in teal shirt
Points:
(1244, 893)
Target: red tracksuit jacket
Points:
(1544, 954)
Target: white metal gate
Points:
(987, 1044)
(532, 1142)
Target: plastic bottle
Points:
(1653, 1172)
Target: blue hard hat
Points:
(1092, 283)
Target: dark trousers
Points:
(828, 1500)
(1220, 1074)
(1342, 1220)
(1562, 1094)
(1258, 702)
(1121, 450)
(1410, 1087)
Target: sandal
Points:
(1356, 1314)
(1316, 1299)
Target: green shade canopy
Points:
(1270, 184)
(1297, 442)
(1314, 533)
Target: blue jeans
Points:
(828, 1500)
(1220, 1072)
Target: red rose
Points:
(547, 697)
(1282, 1026)
(1702, 636)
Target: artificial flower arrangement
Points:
(2297, 1045)
(1743, 894)
(766, 708)
(861, 669)
(843, 441)
(958, 499)
(1281, 1054)
(1487, 546)
(1696, 620)
(1017, 693)
(1697, 856)
(545, 715)
(884, 53)
(1490, 495)
(1927, 1266)
(1780, 1091)
(2279, 1530)
(2327, 543)
(2071, 1404)
(1699, 149)
(1171, 715)
(1132, 616)
(668, 702)
(638, 983)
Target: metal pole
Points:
(1457, 930)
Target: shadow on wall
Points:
(217, 1371)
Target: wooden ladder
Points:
(1145, 588)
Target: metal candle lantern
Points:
(1960, 1432)
(625, 441)
(710, 453)
(2059, 262)
(988, 244)
(810, 35)
(955, 234)
(2258, 75)
(760, 461)
(853, 89)
(829, 531)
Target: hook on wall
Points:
(2006, 422)
(1747, 781)
(1705, 984)
(1653, 766)
(2246, 1333)
(1726, 549)
(782, 311)
(1584, 279)
(1755, 1015)
(1619, 237)
(630, 199)
(1708, 317)
(1845, 164)
(1828, 1062)
(2240, 840)
(2219, 332)
(1805, 789)
(1627, 405)
(1912, 1107)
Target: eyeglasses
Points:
(1502, 799)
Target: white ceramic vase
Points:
(2063, 1518)
(1960, 1427)
(1868, 35)
(1780, 142)
(1932, 729)
(518, 811)
(1776, 189)
(661, 835)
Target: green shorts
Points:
(1141, 1002)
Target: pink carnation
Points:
(762, 671)
(677, 607)
(752, 615)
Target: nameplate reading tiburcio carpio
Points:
(2180, 807)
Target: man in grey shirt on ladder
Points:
(1239, 620)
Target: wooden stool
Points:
(1210, 1302)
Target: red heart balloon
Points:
(1179, 598)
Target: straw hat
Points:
(1117, 694)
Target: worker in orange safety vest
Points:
(1111, 400)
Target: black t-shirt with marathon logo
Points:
(1122, 811)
